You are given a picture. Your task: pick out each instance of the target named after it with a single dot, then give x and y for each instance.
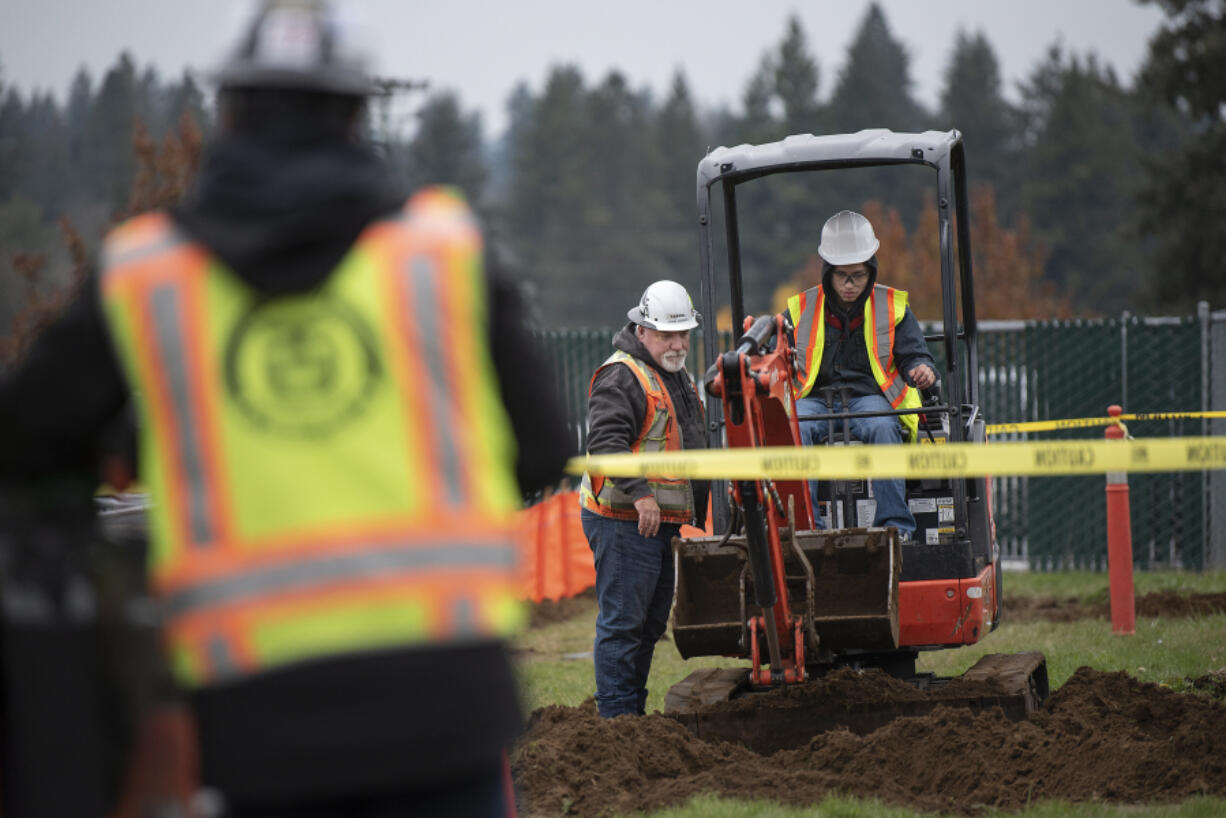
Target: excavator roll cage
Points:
(729, 168)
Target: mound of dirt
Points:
(1166, 604)
(1213, 682)
(1173, 604)
(1101, 737)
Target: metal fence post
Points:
(1216, 513)
(1202, 315)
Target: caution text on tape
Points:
(1034, 459)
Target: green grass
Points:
(834, 807)
(1165, 651)
(1089, 586)
(555, 667)
(555, 664)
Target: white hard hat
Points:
(303, 45)
(665, 306)
(847, 238)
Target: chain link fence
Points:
(1050, 370)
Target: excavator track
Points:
(719, 703)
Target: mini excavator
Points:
(796, 600)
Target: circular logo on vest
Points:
(301, 366)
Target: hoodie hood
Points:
(832, 297)
(628, 342)
(282, 217)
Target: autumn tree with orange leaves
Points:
(163, 174)
(1007, 264)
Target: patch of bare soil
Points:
(1101, 737)
(1167, 604)
(549, 611)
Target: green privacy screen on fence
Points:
(1048, 370)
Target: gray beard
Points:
(673, 364)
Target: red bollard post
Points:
(1119, 541)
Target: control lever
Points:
(930, 396)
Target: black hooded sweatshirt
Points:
(281, 217)
(845, 355)
(617, 409)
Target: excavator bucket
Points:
(843, 583)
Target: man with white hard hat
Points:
(642, 399)
(859, 338)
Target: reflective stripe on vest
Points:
(884, 309)
(809, 322)
(661, 432)
(332, 471)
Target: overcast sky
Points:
(482, 49)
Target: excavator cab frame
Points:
(972, 546)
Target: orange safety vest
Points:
(332, 471)
(884, 309)
(660, 432)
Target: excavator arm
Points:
(800, 591)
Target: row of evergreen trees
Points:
(75, 165)
(590, 193)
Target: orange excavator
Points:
(796, 600)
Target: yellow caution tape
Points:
(1081, 423)
(1035, 459)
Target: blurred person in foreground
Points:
(856, 335)
(340, 405)
(642, 399)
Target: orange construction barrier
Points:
(556, 559)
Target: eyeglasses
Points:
(840, 278)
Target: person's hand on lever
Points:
(922, 376)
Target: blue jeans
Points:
(634, 588)
(891, 496)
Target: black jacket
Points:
(282, 218)
(617, 409)
(845, 355)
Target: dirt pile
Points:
(1158, 603)
(1213, 682)
(1101, 737)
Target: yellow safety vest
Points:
(661, 432)
(883, 311)
(332, 471)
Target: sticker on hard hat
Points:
(1033, 459)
